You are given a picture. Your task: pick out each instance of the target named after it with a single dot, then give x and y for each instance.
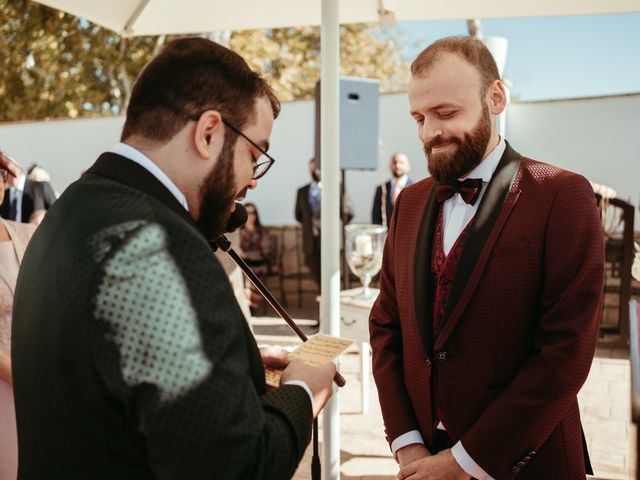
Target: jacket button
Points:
(442, 356)
(520, 464)
(532, 453)
(527, 458)
(515, 469)
(428, 361)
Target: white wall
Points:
(65, 148)
(596, 137)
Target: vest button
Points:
(442, 356)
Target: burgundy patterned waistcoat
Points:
(443, 268)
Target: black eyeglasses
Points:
(4, 174)
(263, 163)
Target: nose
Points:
(430, 130)
(252, 184)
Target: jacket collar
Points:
(493, 211)
(122, 170)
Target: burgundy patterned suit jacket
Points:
(520, 325)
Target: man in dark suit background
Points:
(23, 197)
(490, 293)
(132, 358)
(307, 212)
(389, 191)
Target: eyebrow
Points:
(445, 105)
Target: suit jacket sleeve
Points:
(376, 212)
(523, 416)
(172, 348)
(386, 340)
(299, 211)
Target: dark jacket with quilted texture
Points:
(519, 327)
(131, 356)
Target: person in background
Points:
(255, 247)
(23, 196)
(307, 212)
(235, 275)
(387, 193)
(13, 241)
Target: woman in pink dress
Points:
(13, 241)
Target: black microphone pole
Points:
(225, 245)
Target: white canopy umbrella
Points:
(155, 17)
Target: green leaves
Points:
(55, 65)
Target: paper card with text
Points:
(318, 350)
(321, 349)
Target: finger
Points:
(274, 357)
(406, 472)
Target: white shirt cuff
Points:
(468, 464)
(304, 385)
(409, 438)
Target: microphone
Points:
(236, 220)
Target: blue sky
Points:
(555, 57)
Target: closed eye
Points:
(446, 115)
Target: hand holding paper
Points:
(317, 351)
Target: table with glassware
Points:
(363, 245)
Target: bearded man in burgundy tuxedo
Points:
(491, 289)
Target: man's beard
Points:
(447, 167)
(217, 194)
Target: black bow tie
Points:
(469, 190)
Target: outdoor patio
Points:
(604, 403)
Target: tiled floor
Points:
(604, 399)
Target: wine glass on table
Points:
(363, 251)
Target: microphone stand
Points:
(225, 245)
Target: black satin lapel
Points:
(125, 171)
(422, 281)
(483, 222)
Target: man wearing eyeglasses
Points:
(131, 356)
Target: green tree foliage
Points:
(290, 57)
(55, 65)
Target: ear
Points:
(497, 98)
(209, 131)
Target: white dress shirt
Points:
(398, 182)
(145, 162)
(456, 214)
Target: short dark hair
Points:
(470, 49)
(192, 75)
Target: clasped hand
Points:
(417, 463)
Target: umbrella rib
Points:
(128, 27)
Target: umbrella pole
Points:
(330, 216)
